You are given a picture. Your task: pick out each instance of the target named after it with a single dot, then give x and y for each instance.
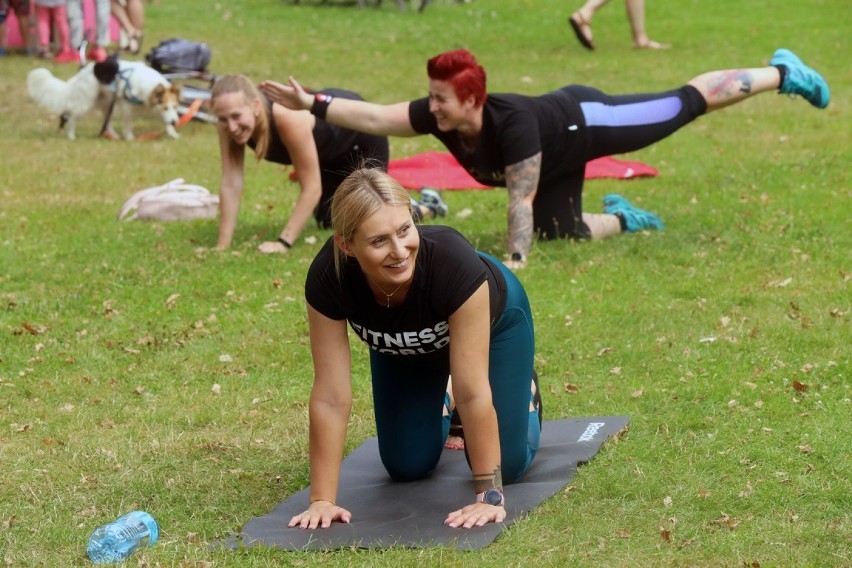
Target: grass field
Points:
(724, 338)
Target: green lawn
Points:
(724, 338)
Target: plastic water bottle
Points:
(117, 540)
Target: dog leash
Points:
(107, 117)
(108, 114)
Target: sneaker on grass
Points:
(431, 199)
(632, 218)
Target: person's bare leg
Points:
(28, 31)
(123, 18)
(636, 16)
(136, 12)
(590, 8)
(724, 88)
(602, 225)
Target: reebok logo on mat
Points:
(590, 431)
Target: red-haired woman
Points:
(537, 147)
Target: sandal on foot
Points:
(583, 30)
(652, 45)
(134, 44)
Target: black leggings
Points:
(613, 125)
(369, 150)
(408, 397)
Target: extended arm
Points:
(380, 120)
(522, 183)
(230, 188)
(296, 132)
(469, 346)
(331, 402)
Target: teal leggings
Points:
(408, 397)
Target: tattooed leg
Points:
(723, 88)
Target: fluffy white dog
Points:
(111, 86)
(69, 99)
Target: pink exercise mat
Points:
(13, 31)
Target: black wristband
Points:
(287, 244)
(320, 106)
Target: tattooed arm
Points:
(522, 183)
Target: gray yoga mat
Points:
(412, 514)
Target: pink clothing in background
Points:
(13, 35)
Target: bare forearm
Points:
(482, 440)
(229, 208)
(355, 115)
(379, 120)
(302, 212)
(327, 437)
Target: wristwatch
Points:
(493, 497)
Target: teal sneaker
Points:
(801, 79)
(431, 199)
(416, 214)
(632, 218)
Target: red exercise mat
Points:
(441, 171)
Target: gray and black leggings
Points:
(408, 397)
(613, 125)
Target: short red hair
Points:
(462, 71)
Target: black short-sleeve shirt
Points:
(514, 128)
(334, 143)
(448, 271)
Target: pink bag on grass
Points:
(172, 201)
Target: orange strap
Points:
(190, 112)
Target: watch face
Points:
(493, 497)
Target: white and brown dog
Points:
(111, 86)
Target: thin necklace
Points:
(387, 296)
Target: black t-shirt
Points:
(514, 128)
(448, 271)
(334, 143)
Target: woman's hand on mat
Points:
(320, 514)
(475, 515)
(292, 96)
